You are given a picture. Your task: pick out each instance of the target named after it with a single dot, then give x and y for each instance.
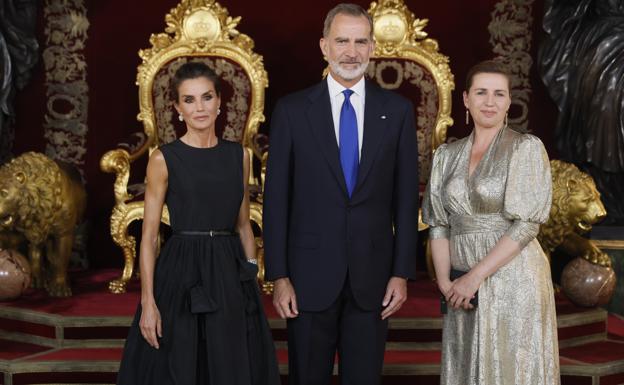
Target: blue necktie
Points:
(348, 136)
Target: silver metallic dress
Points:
(511, 338)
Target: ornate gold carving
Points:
(222, 41)
(376, 70)
(576, 206)
(44, 202)
(391, 28)
(255, 211)
(195, 29)
(201, 25)
(610, 244)
(66, 80)
(121, 218)
(427, 108)
(398, 34)
(118, 162)
(510, 37)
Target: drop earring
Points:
(467, 117)
(180, 118)
(218, 111)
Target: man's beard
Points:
(346, 74)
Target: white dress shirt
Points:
(357, 101)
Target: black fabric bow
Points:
(201, 301)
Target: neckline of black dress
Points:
(200, 148)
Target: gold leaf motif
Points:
(418, 28)
(417, 48)
(230, 25)
(160, 41)
(80, 24)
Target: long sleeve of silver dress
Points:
(511, 338)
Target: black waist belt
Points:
(207, 233)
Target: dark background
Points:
(286, 34)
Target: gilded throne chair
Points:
(408, 62)
(197, 30)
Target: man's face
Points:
(348, 47)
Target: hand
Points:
(150, 324)
(396, 295)
(462, 290)
(444, 285)
(284, 299)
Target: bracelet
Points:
(253, 260)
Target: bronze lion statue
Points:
(43, 201)
(576, 206)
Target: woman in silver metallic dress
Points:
(486, 197)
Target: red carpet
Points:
(90, 297)
(11, 350)
(595, 352)
(616, 325)
(76, 354)
(84, 336)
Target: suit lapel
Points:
(374, 130)
(322, 125)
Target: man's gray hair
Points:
(346, 9)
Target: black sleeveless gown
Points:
(213, 324)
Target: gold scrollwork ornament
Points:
(399, 34)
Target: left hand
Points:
(463, 289)
(396, 295)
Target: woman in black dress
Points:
(200, 320)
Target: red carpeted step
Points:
(85, 366)
(615, 325)
(71, 377)
(25, 327)
(11, 350)
(408, 363)
(90, 297)
(93, 320)
(583, 329)
(74, 318)
(77, 354)
(595, 352)
(409, 357)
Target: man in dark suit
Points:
(341, 210)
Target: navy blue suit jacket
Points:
(313, 232)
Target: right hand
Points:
(150, 324)
(284, 299)
(463, 289)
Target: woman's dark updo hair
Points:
(487, 67)
(193, 70)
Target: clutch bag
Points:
(454, 275)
